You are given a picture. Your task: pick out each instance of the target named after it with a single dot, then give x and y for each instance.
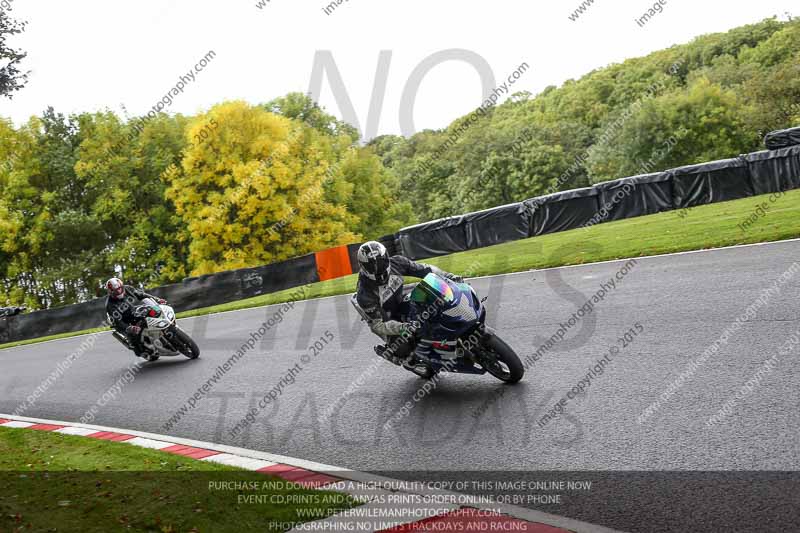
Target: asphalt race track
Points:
(682, 303)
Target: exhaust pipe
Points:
(121, 338)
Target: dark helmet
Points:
(373, 260)
(115, 288)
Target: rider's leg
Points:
(404, 348)
(136, 343)
(397, 348)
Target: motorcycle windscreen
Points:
(148, 311)
(431, 289)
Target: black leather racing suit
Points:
(384, 304)
(120, 311)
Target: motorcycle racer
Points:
(122, 300)
(380, 295)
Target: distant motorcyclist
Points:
(380, 296)
(121, 302)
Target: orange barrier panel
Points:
(333, 263)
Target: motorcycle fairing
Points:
(459, 312)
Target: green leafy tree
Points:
(257, 191)
(41, 209)
(376, 200)
(702, 123)
(299, 106)
(11, 77)
(121, 165)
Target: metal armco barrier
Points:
(747, 175)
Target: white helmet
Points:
(373, 260)
(115, 288)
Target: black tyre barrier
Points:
(191, 293)
(728, 179)
(563, 211)
(233, 285)
(706, 183)
(497, 225)
(432, 239)
(636, 196)
(776, 140)
(774, 171)
(47, 322)
(391, 243)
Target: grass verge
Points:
(698, 228)
(55, 482)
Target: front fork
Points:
(168, 336)
(471, 346)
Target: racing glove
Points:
(413, 328)
(161, 301)
(133, 330)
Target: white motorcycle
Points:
(161, 335)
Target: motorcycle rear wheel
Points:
(502, 361)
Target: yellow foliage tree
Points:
(254, 188)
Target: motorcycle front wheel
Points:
(185, 344)
(501, 361)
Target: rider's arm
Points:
(379, 326)
(373, 314)
(115, 316)
(141, 294)
(389, 328)
(407, 267)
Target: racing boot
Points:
(384, 352)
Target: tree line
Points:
(88, 195)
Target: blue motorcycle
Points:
(452, 335)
